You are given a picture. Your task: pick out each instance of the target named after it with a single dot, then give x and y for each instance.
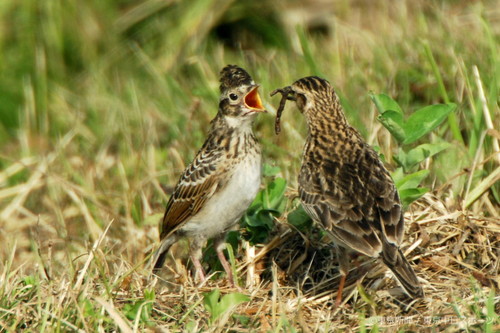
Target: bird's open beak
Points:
(253, 101)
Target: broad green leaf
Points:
(393, 121)
(426, 150)
(266, 218)
(401, 159)
(274, 193)
(210, 300)
(412, 180)
(262, 218)
(425, 120)
(397, 175)
(256, 235)
(228, 302)
(149, 294)
(259, 218)
(385, 103)
(253, 220)
(299, 218)
(419, 154)
(143, 307)
(409, 195)
(256, 204)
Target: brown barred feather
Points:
(343, 184)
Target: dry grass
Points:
(292, 285)
(297, 280)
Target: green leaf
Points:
(268, 204)
(258, 225)
(401, 159)
(408, 185)
(270, 197)
(256, 204)
(417, 125)
(227, 303)
(267, 217)
(397, 175)
(491, 316)
(411, 180)
(385, 103)
(425, 120)
(88, 308)
(261, 218)
(409, 195)
(143, 307)
(300, 219)
(419, 154)
(149, 294)
(393, 121)
(211, 300)
(230, 301)
(30, 281)
(274, 193)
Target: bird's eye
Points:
(233, 97)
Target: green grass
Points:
(102, 104)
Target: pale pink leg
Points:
(227, 267)
(196, 254)
(219, 248)
(199, 268)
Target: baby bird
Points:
(221, 182)
(344, 186)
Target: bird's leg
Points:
(220, 245)
(196, 255)
(200, 272)
(343, 260)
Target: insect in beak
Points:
(286, 94)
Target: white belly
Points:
(227, 206)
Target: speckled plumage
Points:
(344, 185)
(221, 182)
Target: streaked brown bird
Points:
(344, 185)
(221, 182)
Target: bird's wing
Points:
(357, 202)
(197, 184)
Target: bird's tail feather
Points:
(404, 273)
(160, 254)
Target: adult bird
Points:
(215, 190)
(344, 185)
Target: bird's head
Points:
(239, 97)
(313, 95)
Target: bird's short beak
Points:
(253, 101)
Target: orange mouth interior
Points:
(253, 101)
